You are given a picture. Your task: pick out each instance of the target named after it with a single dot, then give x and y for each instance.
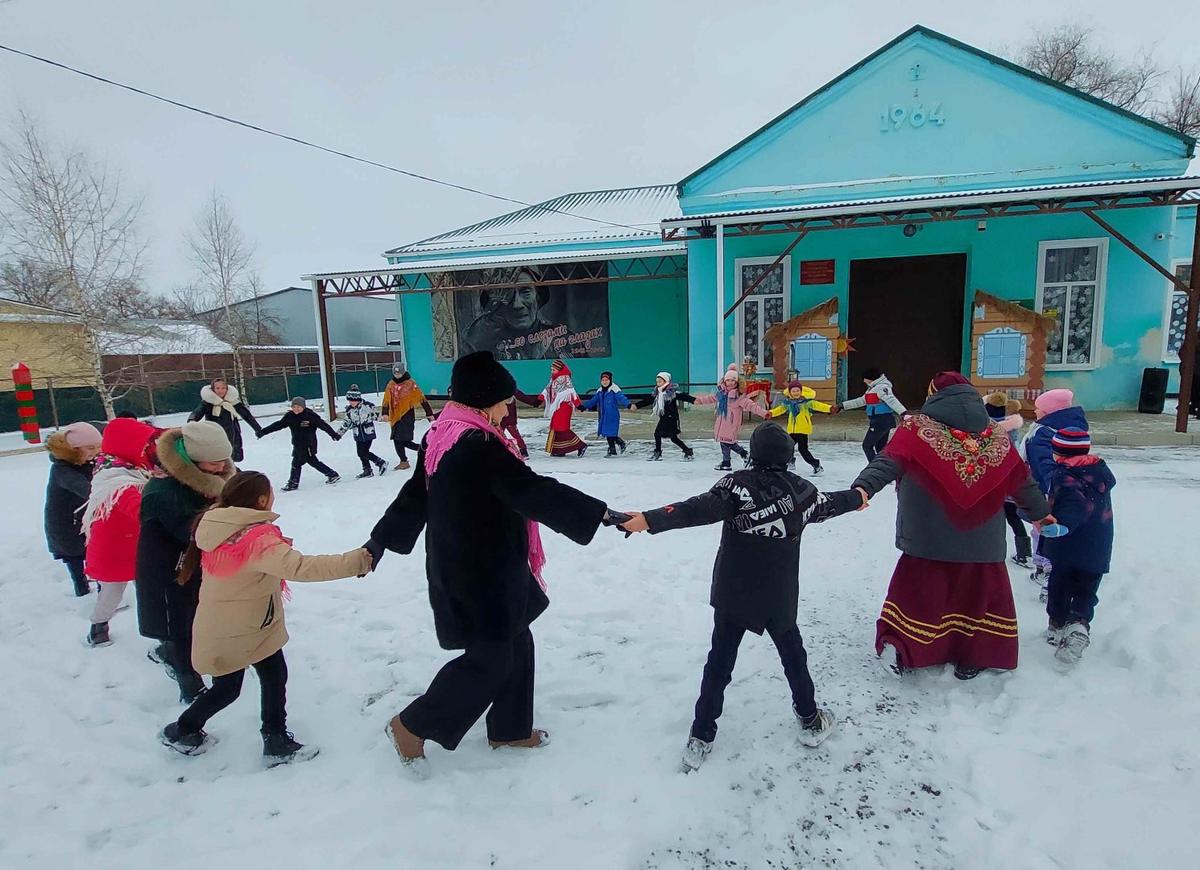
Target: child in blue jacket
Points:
(608, 400)
(1053, 410)
(1080, 487)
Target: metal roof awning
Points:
(632, 262)
(933, 207)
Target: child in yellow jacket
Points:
(798, 403)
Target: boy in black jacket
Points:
(755, 585)
(304, 424)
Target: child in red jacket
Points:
(111, 518)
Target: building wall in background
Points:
(649, 334)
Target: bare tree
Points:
(28, 281)
(68, 219)
(226, 280)
(1070, 55)
(1181, 109)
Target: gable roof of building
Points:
(918, 29)
(628, 213)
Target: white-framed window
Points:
(1001, 354)
(770, 303)
(1070, 285)
(1176, 312)
(812, 357)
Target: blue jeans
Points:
(1071, 595)
(726, 449)
(718, 671)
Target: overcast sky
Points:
(527, 99)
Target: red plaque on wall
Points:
(816, 271)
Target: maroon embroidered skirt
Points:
(956, 613)
(560, 443)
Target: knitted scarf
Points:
(662, 395)
(723, 397)
(248, 544)
(111, 478)
(453, 423)
(209, 395)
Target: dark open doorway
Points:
(906, 317)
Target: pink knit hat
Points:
(1054, 400)
(82, 435)
(731, 372)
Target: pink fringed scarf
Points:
(248, 544)
(454, 422)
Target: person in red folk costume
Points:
(111, 523)
(560, 400)
(950, 600)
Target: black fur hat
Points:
(478, 381)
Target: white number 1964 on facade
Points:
(898, 116)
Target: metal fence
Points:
(57, 406)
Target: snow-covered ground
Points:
(1032, 769)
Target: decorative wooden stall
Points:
(806, 348)
(1008, 348)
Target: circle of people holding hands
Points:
(168, 511)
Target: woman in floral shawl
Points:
(950, 601)
(560, 400)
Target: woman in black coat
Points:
(221, 403)
(72, 450)
(480, 504)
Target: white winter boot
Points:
(889, 661)
(694, 754)
(816, 731)
(1073, 641)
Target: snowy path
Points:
(1031, 769)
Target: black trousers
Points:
(365, 456)
(272, 677)
(298, 463)
(658, 439)
(1071, 595)
(880, 426)
(718, 671)
(497, 675)
(802, 449)
(614, 442)
(78, 577)
(1011, 513)
(402, 439)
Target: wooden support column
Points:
(1187, 353)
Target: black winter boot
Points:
(282, 748)
(366, 472)
(185, 744)
(98, 635)
(290, 486)
(1024, 555)
(191, 685)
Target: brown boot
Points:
(402, 466)
(537, 740)
(408, 746)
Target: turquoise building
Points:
(874, 219)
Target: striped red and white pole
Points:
(26, 406)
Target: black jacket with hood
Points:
(763, 511)
(304, 428)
